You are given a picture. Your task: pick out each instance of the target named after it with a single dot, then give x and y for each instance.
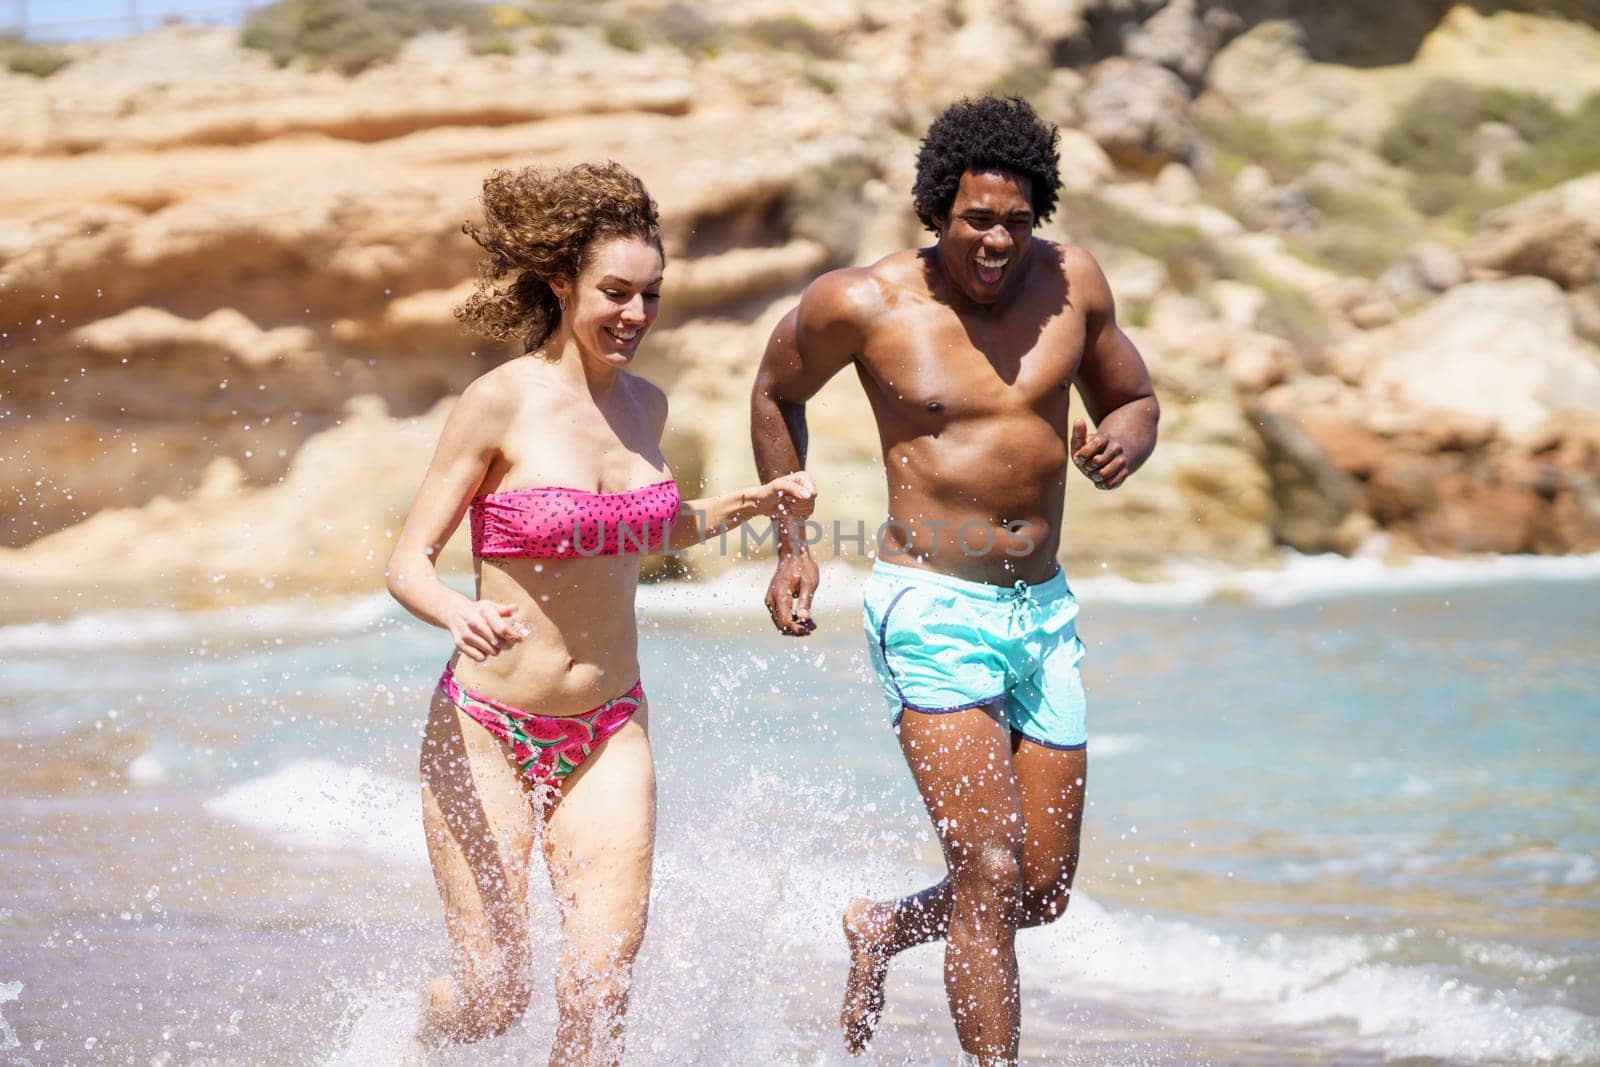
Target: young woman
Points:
(538, 730)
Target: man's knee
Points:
(992, 871)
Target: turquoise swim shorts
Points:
(943, 644)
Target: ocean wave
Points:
(1350, 989)
(320, 804)
(1304, 981)
(1295, 579)
(145, 628)
(740, 592)
(1302, 579)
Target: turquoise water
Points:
(1360, 827)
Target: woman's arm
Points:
(791, 496)
(470, 441)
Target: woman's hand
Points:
(482, 628)
(792, 496)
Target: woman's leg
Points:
(480, 827)
(599, 839)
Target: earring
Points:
(561, 302)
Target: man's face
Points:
(986, 236)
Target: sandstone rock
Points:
(1267, 72)
(1585, 307)
(1472, 516)
(1555, 234)
(1056, 20)
(1257, 362)
(985, 52)
(1505, 351)
(1365, 304)
(1349, 448)
(1138, 112)
(743, 273)
(327, 527)
(1176, 37)
(1262, 205)
(418, 324)
(1426, 268)
(1314, 497)
(1084, 164)
(1057, 102)
(105, 102)
(1176, 185)
(1270, 54)
(1238, 304)
(1135, 278)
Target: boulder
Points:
(1424, 270)
(1084, 164)
(1554, 234)
(1138, 112)
(1505, 351)
(1181, 36)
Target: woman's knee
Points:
(504, 1003)
(603, 962)
(474, 1009)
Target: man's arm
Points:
(1115, 386)
(811, 344)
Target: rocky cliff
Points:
(225, 287)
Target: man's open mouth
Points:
(990, 271)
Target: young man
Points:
(968, 350)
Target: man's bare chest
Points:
(937, 364)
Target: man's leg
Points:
(1050, 783)
(961, 762)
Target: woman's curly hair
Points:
(1002, 133)
(539, 225)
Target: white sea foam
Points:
(740, 592)
(380, 1028)
(9, 991)
(1302, 579)
(142, 629)
(147, 768)
(1402, 1010)
(1104, 745)
(1552, 867)
(319, 804)
(767, 845)
(1295, 579)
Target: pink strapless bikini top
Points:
(558, 523)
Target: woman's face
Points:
(615, 299)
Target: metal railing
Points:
(43, 19)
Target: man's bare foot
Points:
(869, 965)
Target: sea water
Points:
(1336, 813)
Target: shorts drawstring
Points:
(1021, 597)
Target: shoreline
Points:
(151, 618)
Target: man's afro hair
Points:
(1000, 133)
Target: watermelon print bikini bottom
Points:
(547, 747)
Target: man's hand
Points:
(789, 594)
(1098, 456)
